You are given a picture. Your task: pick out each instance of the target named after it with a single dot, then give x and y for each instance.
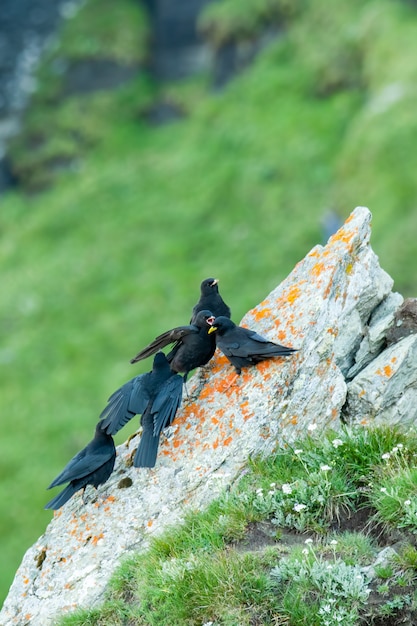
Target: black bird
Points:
(210, 300)
(91, 466)
(193, 347)
(156, 396)
(243, 346)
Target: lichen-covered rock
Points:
(376, 332)
(405, 321)
(321, 309)
(386, 390)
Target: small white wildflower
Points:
(394, 450)
(386, 455)
(272, 485)
(271, 493)
(333, 542)
(299, 507)
(312, 426)
(325, 468)
(400, 446)
(308, 541)
(384, 490)
(298, 451)
(407, 502)
(337, 442)
(259, 491)
(305, 551)
(286, 488)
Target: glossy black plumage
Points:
(193, 347)
(211, 300)
(156, 396)
(243, 346)
(91, 466)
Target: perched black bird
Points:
(91, 466)
(156, 396)
(210, 300)
(193, 347)
(243, 346)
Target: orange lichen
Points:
(215, 444)
(25, 580)
(293, 294)
(228, 441)
(362, 393)
(318, 269)
(177, 443)
(261, 312)
(149, 523)
(385, 371)
(96, 539)
(294, 420)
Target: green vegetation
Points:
(244, 561)
(324, 118)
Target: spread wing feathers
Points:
(170, 336)
(131, 399)
(83, 464)
(166, 403)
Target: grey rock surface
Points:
(321, 309)
(386, 390)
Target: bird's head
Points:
(208, 285)
(204, 317)
(220, 325)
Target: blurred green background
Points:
(116, 220)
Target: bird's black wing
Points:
(131, 399)
(243, 342)
(82, 464)
(170, 336)
(166, 403)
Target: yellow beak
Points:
(212, 329)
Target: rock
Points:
(376, 332)
(405, 321)
(386, 390)
(321, 309)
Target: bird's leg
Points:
(82, 495)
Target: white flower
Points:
(333, 542)
(384, 490)
(312, 426)
(386, 455)
(337, 442)
(325, 468)
(394, 450)
(298, 451)
(299, 507)
(272, 485)
(407, 502)
(305, 551)
(259, 491)
(308, 541)
(400, 446)
(286, 488)
(271, 493)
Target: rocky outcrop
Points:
(335, 299)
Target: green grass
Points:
(212, 569)
(237, 189)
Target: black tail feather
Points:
(147, 450)
(62, 497)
